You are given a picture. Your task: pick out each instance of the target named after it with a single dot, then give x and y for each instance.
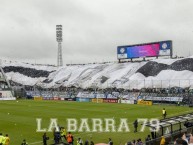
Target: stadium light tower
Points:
(59, 40)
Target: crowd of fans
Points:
(134, 94)
(186, 139)
(167, 91)
(153, 68)
(30, 72)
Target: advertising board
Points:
(142, 102)
(69, 99)
(110, 100)
(82, 99)
(153, 49)
(11, 98)
(97, 100)
(127, 101)
(169, 99)
(38, 98)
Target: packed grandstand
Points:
(159, 80)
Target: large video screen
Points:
(154, 49)
(142, 51)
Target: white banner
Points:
(5, 94)
(127, 101)
(11, 98)
(170, 99)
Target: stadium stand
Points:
(152, 68)
(30, 72)
(6, 92)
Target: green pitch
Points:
(18, 118)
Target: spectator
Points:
(186, 137)
(148, 138)
(180, 141)
(129, 143)
(188, 124)
(163, 141)
(133, 142)
(191, 140)
(139, 142)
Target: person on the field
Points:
(24, 142)
(164, 113)
(1, 139)
(86, 142)
(110, 142)
(45, 138)
(79, 141)
(153, 133)
(70, 138)
(91, 143)
(7, 140)
(57, 137)
(135, 124)
(63, 133)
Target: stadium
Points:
(139, 91)
(129, 89)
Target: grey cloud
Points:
(91, 29)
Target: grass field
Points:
(18, 119)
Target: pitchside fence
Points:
(139, 84)
(124, 83)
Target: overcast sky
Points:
(92, 29)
